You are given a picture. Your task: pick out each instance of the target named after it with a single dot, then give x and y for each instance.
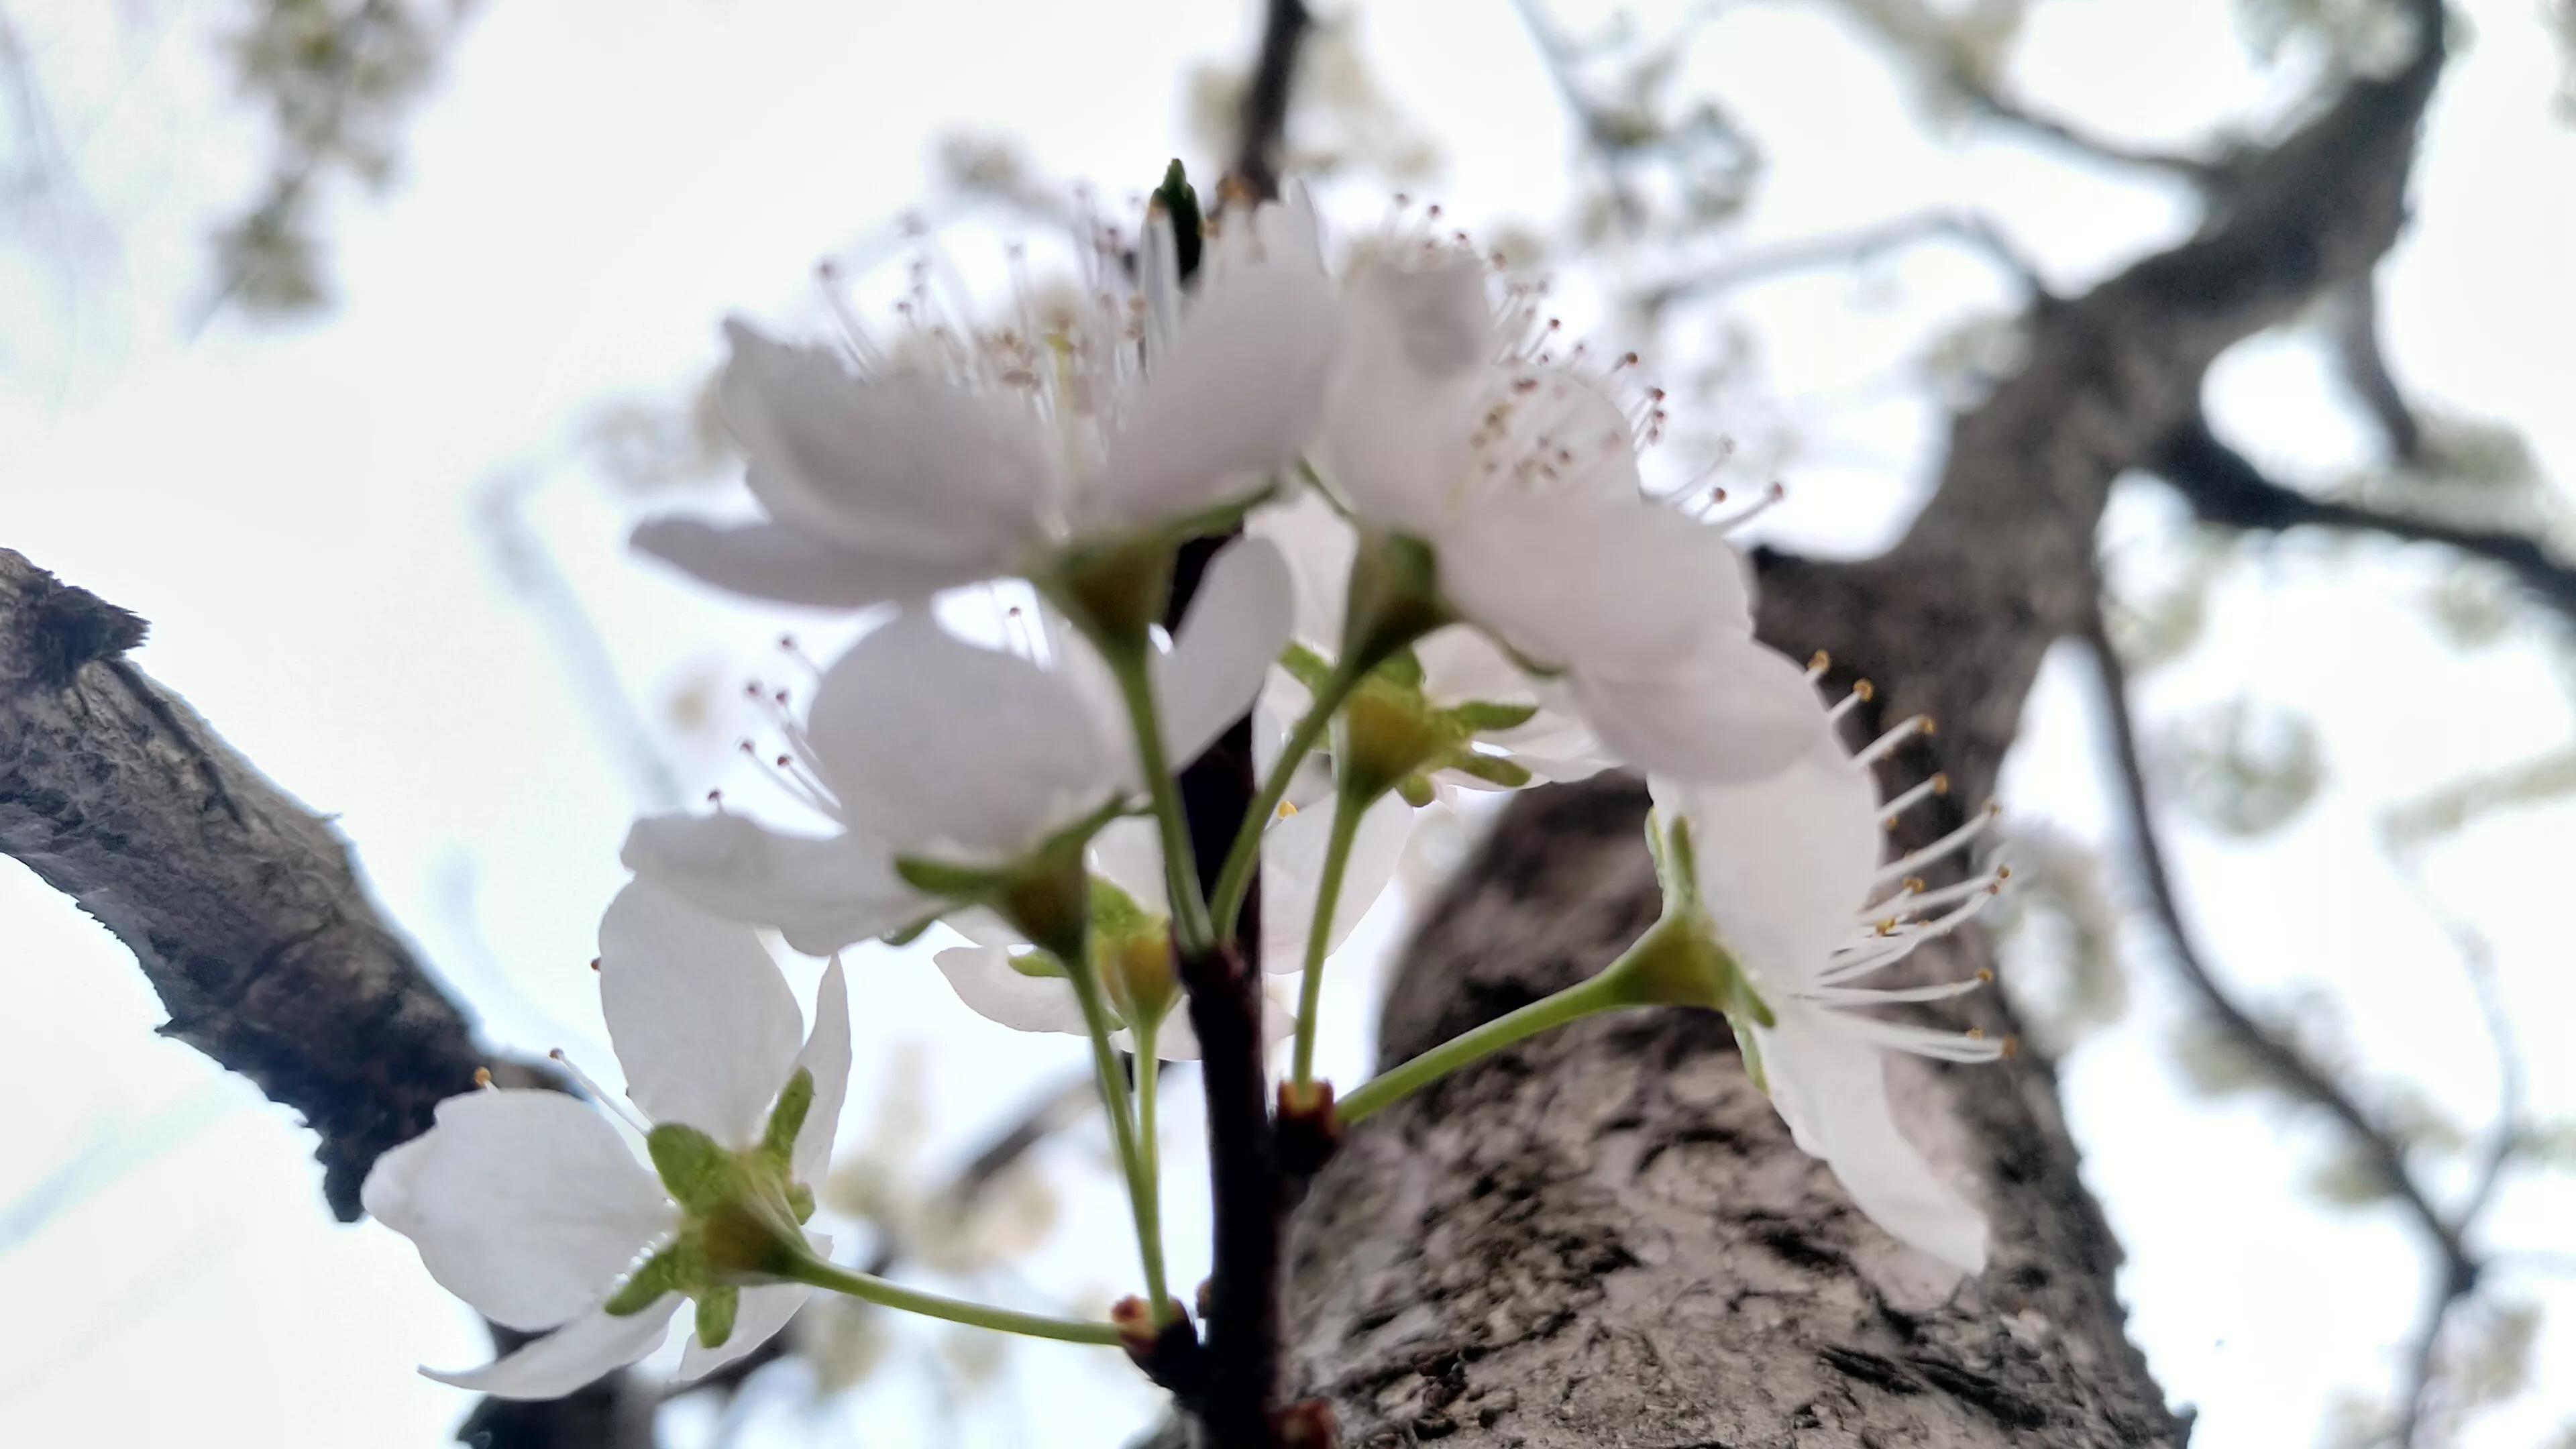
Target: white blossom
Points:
(919, 745)
(1788, 871)
(964, 451)
(1460, 665)
(1450, 421)
(532, 1206)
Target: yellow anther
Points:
(1986, 974)
(1287, 808)
(482, 1076)
(2011, 1047)
(1864, 691)
(1976, 1033)
(1820, 660)
(1913, 884)
(1941, 784)
(2003, 872)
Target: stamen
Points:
(1817, 664)
(1915, 862)
(612, 1105)
(1937, 785)
(483, 1079)
(1905, 729)
(1769, 500)
(1862, 692)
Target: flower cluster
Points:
(1444, 573)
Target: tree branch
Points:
(1265, 100)
(2224, 487)
(2280, 1058)
(1975, 231)
(2365, 370)
(242, 907)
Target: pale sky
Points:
(597, 183)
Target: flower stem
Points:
(872, 1289)
(1149, 1159)
(1180, 878)
(1122, 1131)
(1347, 812)
(1608, 991)
(1234, 880)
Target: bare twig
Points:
(1265, 100)
(2089, 145)
(2226, 488)
(2365, 370)
(528, 566)
(1974, 231)
(2280, 1058)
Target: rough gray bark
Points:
(1606, 1237)
(242, 907)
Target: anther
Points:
(483, 1078)
(1986, 974)
(1287, 808)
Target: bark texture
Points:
(242, 907)
(1606, 1236)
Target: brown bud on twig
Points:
(1170, 1355)
(1309, 1128)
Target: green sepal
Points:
(1394, 599)
(1180, 201)
(787, 1118)
(800, 1201)
(940, 878)
(1042, 965)
(1403, 669)
(1114, 591)
(716, 1309)
(1484, 716)
(671, 1270)
(1751, 1051)
(741, 1241)
(695, 1170)
(1306, 667)
(1416, 790)
(1492, 769)
(910, 931)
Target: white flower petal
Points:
(1572, 581)
(899, 464)
(703, 1023)
(586, 1349)
(820, 894)
(1832, 1091)
(1292, 869)
(1731, 710)
(1785, 861)
(827, 1056)
(772, 561)
(1416, 346)
(984, 978)
(1235, 629)
(939, 745)
(526, 1204)
(758, 1315)
(1318, 544)
(1128, 853)
(1237, 397)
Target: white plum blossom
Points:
(922, 746)
(1788, 872)
(999, 977)
(1460, 666)
(965, 451)
(1449, 422)
(535, 1207)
